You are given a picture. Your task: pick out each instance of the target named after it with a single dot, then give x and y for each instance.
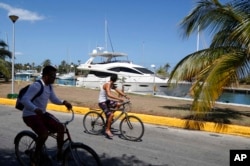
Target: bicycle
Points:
(131, 127)
(74, 153)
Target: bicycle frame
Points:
(122, 110)
(66, 131)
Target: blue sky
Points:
(147, 30)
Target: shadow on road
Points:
(7, 157)
(216, 115)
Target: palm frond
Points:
(227, 58)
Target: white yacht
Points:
(132, 77)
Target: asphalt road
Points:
(160, 145)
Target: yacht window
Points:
(124, 69)
(144, 70)
(116, 69)
(100, 74)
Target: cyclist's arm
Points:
(121, 93)
(54, 99)
(107, 88)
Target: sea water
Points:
(233, 97)
(69, 82)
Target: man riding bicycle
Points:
(105, 102)
(37, 118)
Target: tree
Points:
(226, 60)
(163, 71)
(166, 67)
(47, 62)
(62, 68)
(5, 66)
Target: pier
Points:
(237, 90)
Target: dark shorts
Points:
(42, 124)
(106, 105)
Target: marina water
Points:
(226, 97)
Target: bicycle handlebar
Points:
(125, 102)
(72, 118)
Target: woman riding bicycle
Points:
(106, 102)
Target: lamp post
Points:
(13, 18)
(153, 66)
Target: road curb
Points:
(158, 120)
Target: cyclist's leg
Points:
(109, 116)
(36, 123)
(54, 126)
(114, 104)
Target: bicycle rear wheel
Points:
(93, 123)
(24, 147)
(131, 128)
(80, 154)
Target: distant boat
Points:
(67, 76)
(25, 75)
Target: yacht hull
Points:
(157, 88)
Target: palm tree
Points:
(62, 68)
(226, 60)
(161, 72)
(4, 65)
(46, 62)
(166, 67)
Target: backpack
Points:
(22, 91)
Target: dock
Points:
(237, 90)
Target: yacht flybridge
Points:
(132, 77)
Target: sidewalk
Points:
(165, 121)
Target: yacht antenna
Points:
(106, 42)
(108, 37)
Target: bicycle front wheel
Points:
(80, 154)
(24, 147)
(131, 128)
(93, 123)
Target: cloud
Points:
(23, 14)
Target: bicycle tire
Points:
(132, 128)
(80, 154)
(24, 146)
(93, 123)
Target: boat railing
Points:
(114, 61)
